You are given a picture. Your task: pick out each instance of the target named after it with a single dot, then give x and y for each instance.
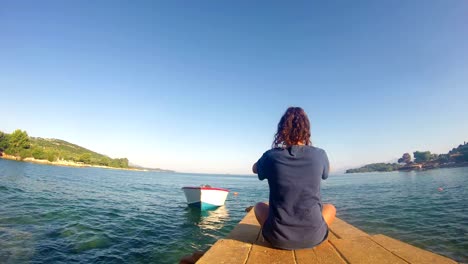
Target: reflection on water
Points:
(208, 219)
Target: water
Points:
(54, 214)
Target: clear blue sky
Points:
(199, 86)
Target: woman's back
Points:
(295, 215)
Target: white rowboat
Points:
(205, 197)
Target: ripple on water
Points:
(91, 241)
(15, 246)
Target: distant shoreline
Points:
(423, 160)
(65, 163)
(418, 167)
(432, 167)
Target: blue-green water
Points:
(54, 214)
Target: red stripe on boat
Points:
(207, 188)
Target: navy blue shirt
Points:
(295, 217)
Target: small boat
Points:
(205, 197)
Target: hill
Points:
(21, 146)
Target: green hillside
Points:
(381, 167)
(21, 145)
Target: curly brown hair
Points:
(293, 128)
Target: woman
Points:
(295, 216)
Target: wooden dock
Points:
(346, 244)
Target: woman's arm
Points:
(326, 169)
(254, 168)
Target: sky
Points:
(199, 86)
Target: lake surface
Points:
(52, 214)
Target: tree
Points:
(422, 156)
(104, 161)
(51, 155)
(119, 163)
(443, 158)
(4, 141)
(406, 158)
(376, 167)
(38, 153)
(18, 141)
(85, 158)
(124, 163)
(25, 153)
(464, 153)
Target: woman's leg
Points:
(328, 213)
(261, 212)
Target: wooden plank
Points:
(331, 235)
(263, 253)
(344, 230)
(410, 253)
(363, 250)
(322, 254)
(247, 230)
(237, 245)
(226, 251)
(250, 218)
(346, 244)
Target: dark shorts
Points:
(293, 246)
